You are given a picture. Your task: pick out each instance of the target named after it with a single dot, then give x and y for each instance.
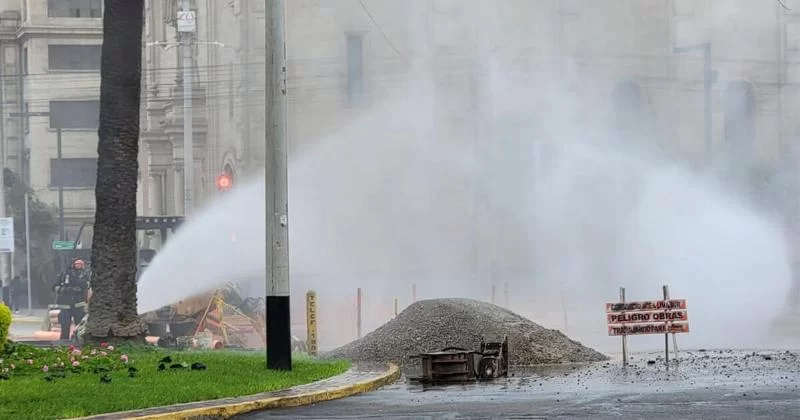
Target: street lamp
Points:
(709, 77)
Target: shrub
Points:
(5, 324)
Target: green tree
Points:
(44, 228)
(113, 311)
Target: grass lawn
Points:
(70, 382)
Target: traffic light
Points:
(224, 182)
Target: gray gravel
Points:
(431, 325)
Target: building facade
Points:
(347, 58)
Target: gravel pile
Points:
(431, 325)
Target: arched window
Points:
(739, 104)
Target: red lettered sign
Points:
(652, 328)
(647, 317)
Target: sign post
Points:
(665, 289)
(667, 316)
(624, 336)
(311, 322)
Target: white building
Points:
(344, 58)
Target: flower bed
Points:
(44, 383)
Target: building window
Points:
(73, 172)
(740, 117)
(74, 57)
(75, 8)
(355, 68)
(75, 115)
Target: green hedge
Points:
(5, 324)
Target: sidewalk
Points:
(24, 318)
(357, 380)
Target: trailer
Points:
(454, 364)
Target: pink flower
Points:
(30, 361)
(124, 358)
(110, 348)
(45, 368)
(76, 363)
(76, 352)
(103, 345)
(102, 353)
(71, 347)
(93, 352)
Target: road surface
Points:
(704, 385)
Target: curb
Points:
(27, 321)
(253, 403)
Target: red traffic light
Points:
(224, 182)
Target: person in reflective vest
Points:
(71, 290)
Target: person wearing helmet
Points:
(71, 290)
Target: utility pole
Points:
(60, 160)
(187, 25)
(5, 258)
(28, 249)
(60, 177)
(709, 78)
(279, 338)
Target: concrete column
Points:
(156, 194)
(177, 197)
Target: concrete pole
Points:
(28, 250)
(188, 140)
(279, 337)
(61, 230)
(5, 260)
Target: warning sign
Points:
(654, 328)
(647, 317)
(648, 305)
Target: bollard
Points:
(311, 322)
(358, 315)
(395, 307)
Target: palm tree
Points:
(112, 311)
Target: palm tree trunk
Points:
(112, 311)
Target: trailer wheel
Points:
(487, 368)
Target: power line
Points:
(378, 27)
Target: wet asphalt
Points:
(703, 384)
